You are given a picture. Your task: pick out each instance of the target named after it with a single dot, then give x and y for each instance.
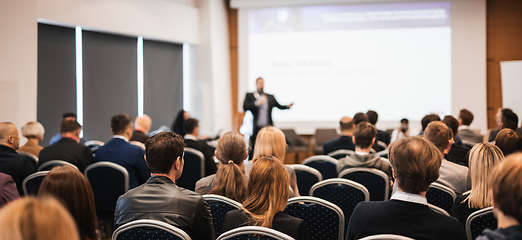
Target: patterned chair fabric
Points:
(386, 237)
(219, 207)
(47, 166)
(324, 220)
(306, 178)
(376, 181)
(480, 220)
(149, 230)
(193, 170)
(441, 196)
(253, 233)
(341, 153)
(31, 183)
(326, 165)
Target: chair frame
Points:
(94, 142)
(382, 153)
(373, 171)
(219, 198)
(139, 144)
(34, 175)
(320, 158)
(386, 236)
(30, 155)
(473, 216)
(324, 203)
(340, 151)
(342, 181)
(254, 230)
(311, 170)
(61, 162)
(438, 209)
(112, 165)
(153, 224)
(200, 155)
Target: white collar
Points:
(121, 137)
(362, 153)
(409, 197)
(463, 127)
(190, 137)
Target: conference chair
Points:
(386, 237)
(341, 153)
(31, 183)
(139, 144)
(219, 207)
(47, 166)
(306, 178)
(253, 233)
(193, 170)
(322, 136)
(375, 180)
(383, 153)
(438, 209)
(441, 196)
(324, 220)
(149, 229)
(94, 145)
(478, 221)
(34, 159)
(326, 165)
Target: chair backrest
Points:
(219, 206)
(375, 180)
(441, 196)
(47, 166)
(324, 220)
(295, 140)
(344, 193)
(31, 183)
(139, 144)
(480, 220)
(438, 209)
(383, 153)
(33, 158)
(253, 232)
(108, 182)
(149, 229)
(193, 170)
(326, 165)
(341, 153)
(94, 145)
(306, 178)
(382, 144)
(386, 237)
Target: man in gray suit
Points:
(468, 137)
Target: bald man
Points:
(18, 167)
(347, 125)
(141, 129)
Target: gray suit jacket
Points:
(469, 137)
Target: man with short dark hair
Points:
(508, 119)
(118, 150)
(415, 164)
(191, 141)
(68, 147)
(346, 125)
(468, 137)
(58, 136)
(359, 118)
(382, 136)
(458, 153)
(160, 198)
(427, 119)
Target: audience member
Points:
(271, 142)
(458, 153)
(403, 131)
(452, 175)
(415, 164)
(71, 188)
(427, 119)
(58, 136)
(118, 150)
(483, 157)
(18, 167)
(267, 196)
(468, 137)
(178, 126)
(345, 140)
(364, 138)
(506, 184)
(68, 148)
(8, 191)
(359, 118)
(382, 136)
(509, 141)
(508, 119)
(141, 129)
(160, 198)
(36, 219)
(191, 141)
(230, 179)
(34, 132)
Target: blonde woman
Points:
(483, 157)
(34, 132)
(267, 196)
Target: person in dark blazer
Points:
(118, 150)
(12, 164)
(458, 153)
(382, 136)
(347, 126)
(68, 147)
(141, 129)
(191, 141)
(8, 191)
(415, 164)
(507, 119)
(468, 137)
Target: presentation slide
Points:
(334, 61)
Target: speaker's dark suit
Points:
(343, 142)
(210, 165)
(67, 149)
(139, 136)
(16, 166)
(250, 105)
(127, 155)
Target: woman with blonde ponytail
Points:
(267, 196)
(230, 179)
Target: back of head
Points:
(6, 129)
(427, 119)
(71, 188)
(270, 141)
(346, 123)
(508, 141)
(506, 184)
(33, 130)
(267, 191)
(466, 117)
(162, 150)
(69, 115)
(509, 119)
(178, 126)
(69, 126)
(438, 133)
(36, 219)
(452, 123)
(120, 123)
(415, 163)
(360, 117)
(483, 157)
(143, 122)
(364, 134)
(372, 116)
(191, 124)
